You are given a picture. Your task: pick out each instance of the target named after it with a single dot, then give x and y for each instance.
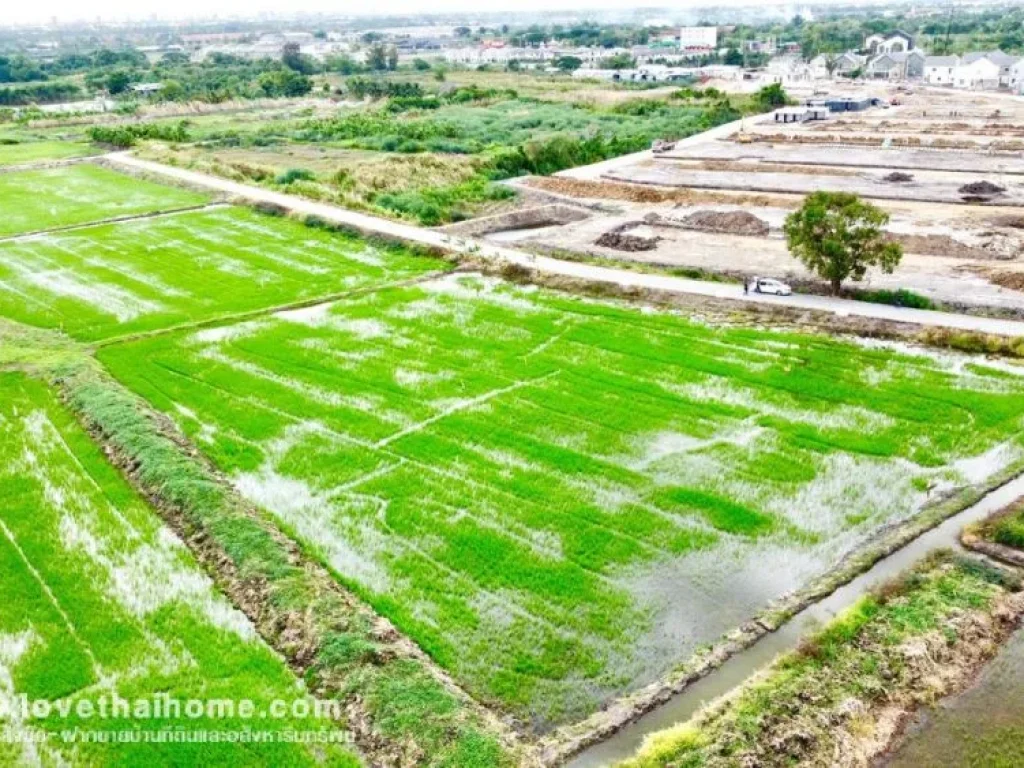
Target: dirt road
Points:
(375, 225)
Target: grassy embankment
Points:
(838, 697)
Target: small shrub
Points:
(293, 175)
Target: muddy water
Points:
(982, 726)
(741, 666)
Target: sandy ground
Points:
(924, 187)
(951, 248)
(943, 279)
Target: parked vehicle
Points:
(772, 286)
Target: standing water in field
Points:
(982, 726)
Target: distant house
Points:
(898, 65)
(1017, 77)
(848, 63)
(895, 42)
(788, 70)
(1002, 60)
(978, 72)
(146, 90)
(938, 70)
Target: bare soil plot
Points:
(858, 157)
(925, 189)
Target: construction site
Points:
(946, 166)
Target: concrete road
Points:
(376, 225)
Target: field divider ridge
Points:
(114, 220)
(254, 314)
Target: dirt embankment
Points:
(637, 193)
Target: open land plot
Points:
(34, 151)
(102, 602)
(150, 273)
(935, 188)
(35, 200)
(859, 157)
(949, 258)
(560, 498)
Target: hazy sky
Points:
(20, 11)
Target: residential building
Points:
(1017, 77)
(789, 70)
(1004, 61)
(898, 65)
(768, 46)
(938, 70)
(895, 42)
(977, 73)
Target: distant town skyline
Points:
(68, 11)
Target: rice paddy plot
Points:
(35, 200)
(560, 498)
(102, 604)
(36, 151)
(150, 273)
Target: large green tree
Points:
(839, 236)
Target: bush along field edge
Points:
(841, 697)
(401, 709)
(1001, 536)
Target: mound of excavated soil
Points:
(620, 239)
(726, 223)
(1013, 221)
(1012, 280)
(898, 177)
(981, 188)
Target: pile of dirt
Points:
(619, 239)
(1012, 280)
(726, 222)
(1013, 221)
(985, 188)
(898, 177)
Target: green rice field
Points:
(102, 602)
(35, 151)
(127, 277)
(36, 200)
(559, 498)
